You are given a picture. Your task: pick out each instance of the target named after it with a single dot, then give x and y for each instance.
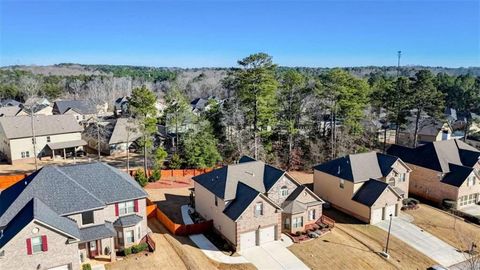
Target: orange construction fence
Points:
(174, 228)
(8, 180)
(177, 172)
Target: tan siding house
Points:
(252, 203)
(55, 135)
(443, 170)
(368, 186)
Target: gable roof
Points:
(223, 182)
(9, 111)
(36, 210)
(438, 155)
(70, 189)
(19, 126)
(359, 167)
(11, 102)
(80, 106)
(240, 184)
(292, 206)
(457, 175)
(370, 191)
(120, 132)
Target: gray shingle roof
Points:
(369, 192)
(67, 144)
(457, 175)
(35, 209)
(19, 126)
(127, 221)
(223, 181)
(9, 111)
(70, 189)
(80, 106)
(359, 167)
(292, 206)
(244, 197)
(96, 232)
(119, 133)
(438, 155)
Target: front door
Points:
(93, 249)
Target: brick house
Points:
(368, 186)
(443, 170)
(61, 216)
(252, 203)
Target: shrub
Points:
(140, 178)
(139, 248)
(156, 174)
(127, 251)
(86, 266)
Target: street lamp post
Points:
(388, 235)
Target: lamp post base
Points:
(385, 255)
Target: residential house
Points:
(429, 130)
(59, 217)
(38, 109)
(82, 110)
(443, 170)
(54, 135)
(251, 203)
(116, 135)
(10, 102)
(121, 106)
(200, 105)
(368, 186)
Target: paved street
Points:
(423, 241)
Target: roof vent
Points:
(339, 170)
(250, 173)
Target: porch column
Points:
(64, 153)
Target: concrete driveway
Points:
(273, 255)
(423, 241)
(473, 210)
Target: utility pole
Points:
(385, 253)
(399, 55)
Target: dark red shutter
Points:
(135, 206)
(29, 246)
(44, 243)
(116, 209)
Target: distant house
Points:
(82, 110)
(114, 135)
(121, 106)
(60, 216)
(368, 186)
(429, 130)
(10, 102)
(10, 111)
(200, 105)
(39, 109)
(55, 135)
(251, 203)
(443, 170)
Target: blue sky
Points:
(218, 33)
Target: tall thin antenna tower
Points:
(399, 54)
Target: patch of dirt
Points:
(170, 200)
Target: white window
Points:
(284, 191)
(87, 218)
(48, 139)
(129, 237)
(36, 244)
(126, 208)
(471, 181)
(297, 222)
(25, 154)
(2, 253)
(342, 183)
(402, 177)
(286, 225)
(216, 201)
(311, 214)
(258, 209)
(77, 117)
(139, 236)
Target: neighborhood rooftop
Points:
(359, 167)
(80, 106)
(19, 126)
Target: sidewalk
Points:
(207, 247)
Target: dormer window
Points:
(216, 201)
(284, 191)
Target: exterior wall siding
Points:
(426, 183)
(205, 206)
(274, 193)
(59, 253)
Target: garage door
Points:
(61, 267)
(247, 240)
(389, 209)
(267, 235)
(376, 215)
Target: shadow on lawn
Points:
(171, 206)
